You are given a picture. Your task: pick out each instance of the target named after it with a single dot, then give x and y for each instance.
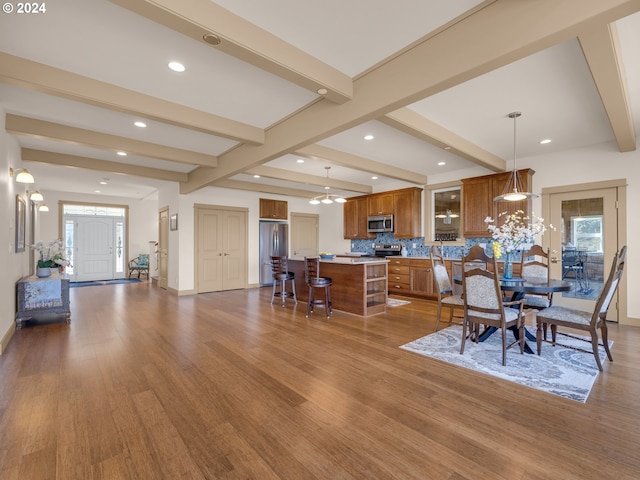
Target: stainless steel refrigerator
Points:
(273, 242)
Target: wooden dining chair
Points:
(535, 263)
(484, 305)
(590, 322)
(446, 297)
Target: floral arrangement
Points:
(517, 231)
(51, 254)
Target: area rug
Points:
(560, 371)
(104, 282)
(392, 302)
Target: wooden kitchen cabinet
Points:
(478, 204)
(407, 214)
(411, 276)
(381, 203)
(274, 209)
(355, 212)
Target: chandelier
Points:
(327, 198)
(510, 192)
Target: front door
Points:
(94, 253)
(583, 244)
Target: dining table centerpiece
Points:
(516, 233)
(51, 255)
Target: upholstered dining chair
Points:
(556, 316)
(535, 263)
(282, 275)
(314, 282)
(446, 297)
(484, 305)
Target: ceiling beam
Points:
(246, 41)
(601, 49)
(414, 124)
(291, 176)
(264, 188)
(54, 81)
(460, 52)
(31, 155)
(32, 127)
(337, 157)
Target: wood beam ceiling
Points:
(495, 36)
(601, 49)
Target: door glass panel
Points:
(68, 244)
(119, 247)
(582, 232)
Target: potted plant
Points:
(51, 256)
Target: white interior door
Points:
(583, 244)
(163, 248)
(94, 249)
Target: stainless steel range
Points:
(386, 249)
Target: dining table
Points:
(518, 287)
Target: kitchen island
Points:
(359, 284)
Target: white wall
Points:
(14, 265)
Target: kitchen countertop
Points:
(348, 260)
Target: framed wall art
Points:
(173, 222)
(21, 209)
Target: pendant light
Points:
(327, 198)
(511, 192)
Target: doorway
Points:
(586, 235)
(163, 248)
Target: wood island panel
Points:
(359, 287)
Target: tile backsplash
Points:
(416, 247)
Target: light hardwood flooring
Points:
(146, 385)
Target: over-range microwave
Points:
(380, 223)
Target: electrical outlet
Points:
(414, 245)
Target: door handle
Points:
(554, 259)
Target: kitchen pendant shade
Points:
(510, 193)
(327, 198)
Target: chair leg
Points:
(464, 335)
(327, 305)
(439, 314)
(539, 336)
(504, 345)
(594, 346)
(310, 301)
(605, 339)
(293, 289)
(273, 291)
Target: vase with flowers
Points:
(517, 231)
(51, 255)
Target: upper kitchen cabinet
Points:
(273, 209)
(381, 203)
(355, 212)
(478, 204)
(407, 213)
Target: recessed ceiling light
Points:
(104, 182)
(211, 39)
(322, 91)
(140, 124)
(96, 191)
(545, 141)
(374, 178)
(177, 66)
(256, 176)
(442, 163)
(300, 160)
(369, 137)
(122, 154)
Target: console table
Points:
(42, 296)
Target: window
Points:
(586, 232)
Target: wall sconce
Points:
(36, 196)
(23, 177)
(43, 208)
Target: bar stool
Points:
(314, 280)
(281, 274)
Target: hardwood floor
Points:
(146, 385)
